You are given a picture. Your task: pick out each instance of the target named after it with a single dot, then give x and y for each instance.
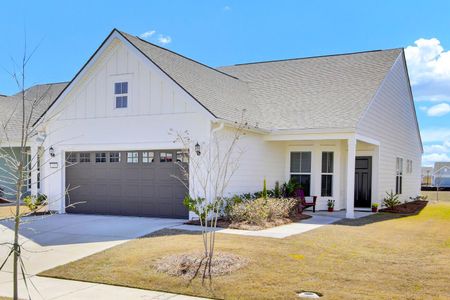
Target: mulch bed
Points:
(224, 223)
(407, 208)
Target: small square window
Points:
(121, 88)
(114, 157)
(165, 157)
(100, 157)
(85, 157)
(121, 101)
(71, 158)
(182, 156)
(132, 157)
(148, 157)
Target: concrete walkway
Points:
(50, 288)
(318, 220)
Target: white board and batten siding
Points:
(87, 119)
(391, 120)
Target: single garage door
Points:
(132, 183)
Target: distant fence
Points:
(433, 188)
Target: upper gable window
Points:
(121, 94)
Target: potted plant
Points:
(374, 207)
(330, 204)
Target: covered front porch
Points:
(341, 167)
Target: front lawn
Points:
(383, 256)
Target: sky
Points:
(223, 32)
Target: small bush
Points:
(35, 202)
(264, 191)
(330, 203)
(276, 190)
(260, 211)
(391, 200)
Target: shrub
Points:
(288, 188)
(276, 190)
(260, 211)
(391, 200)
(264, 191)
(375, 205)
(199, 206)
(35, 202)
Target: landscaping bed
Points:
(407, 208)
(226, 223)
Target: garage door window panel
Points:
(132, 157)
(148, 157)
(85, 157)
(114, 157)
(100, 157)
(165, 157)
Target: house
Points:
(40, 97)
(427, 176)
(344, 126)
(441, 174)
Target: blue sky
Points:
(219, 32)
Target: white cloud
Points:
(435, 148)
(164, 39)
(438, 110)
(430, 135)
(423, 108)
(227, 8)
(429, 70)
(147, 34)
(428, 160)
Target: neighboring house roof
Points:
(326, 92)
(441, 164)
(42, 95)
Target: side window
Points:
(327, 174)
(100, 157)
(399, 175)
(85, 157)
(301, 170)
(165, 157)
(148, 157)
(121, 94)
(114, 157)
(132, 157)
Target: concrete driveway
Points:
(50, 241)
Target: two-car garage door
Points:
(134, 183)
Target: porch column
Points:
(351, 156)
(34, 169)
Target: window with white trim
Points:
(132, 157)
(409, 166)
(399, 175)
(121, 94)
(300, 170)
(327, 174)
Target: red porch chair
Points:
(299, 194)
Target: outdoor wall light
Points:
(197, 149)
(51, 151)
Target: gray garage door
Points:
(133, 183)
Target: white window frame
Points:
(303, 173)
(399, 175)
(121, 94)
(147, 158)
(327, 173)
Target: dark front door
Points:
(363, 181)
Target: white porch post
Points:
(351, 157)
(34, 169)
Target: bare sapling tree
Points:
(18, 133)
(212, 164)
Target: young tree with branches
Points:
(211, 167)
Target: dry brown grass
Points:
(383, 256)
(8, 211)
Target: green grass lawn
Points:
(383, 256)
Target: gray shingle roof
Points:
(319, 92)
(11, 108)
(306, 93)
